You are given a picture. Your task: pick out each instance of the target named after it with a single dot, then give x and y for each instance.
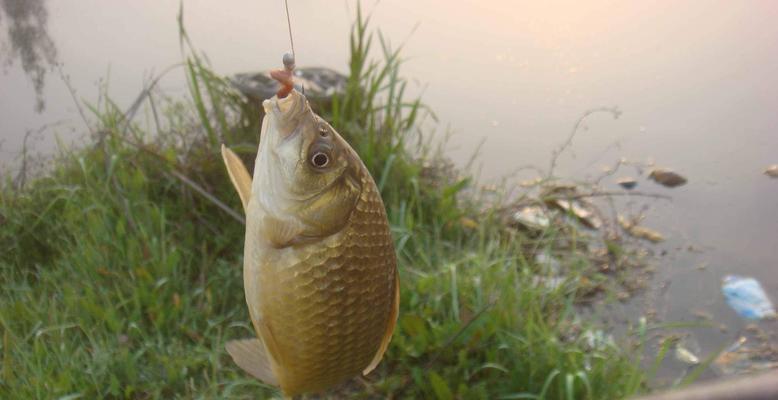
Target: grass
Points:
(120, 267)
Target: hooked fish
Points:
(320, 272)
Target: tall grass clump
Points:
(120, 268)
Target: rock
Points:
(627, 182)
(772, 171)
(666, 177)
(319, 83)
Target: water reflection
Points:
(25, 24)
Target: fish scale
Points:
(330, 330)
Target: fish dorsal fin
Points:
(250, 355)
(239, 175)
(390, 327)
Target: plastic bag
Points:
(747, 297)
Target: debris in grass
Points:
(549, 282)
(585, 213)
(531, 182)
(551, 274)
(123, 339)
(468, 223)
(564, 207)
(641, 232)
(551, 264)
(741, 358)
(702, 315)
(560, 189)
(633, 229)
(685, 356)
(597, 339)
(747, 297)
(666, 177)
(532, 217)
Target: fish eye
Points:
(320, 159)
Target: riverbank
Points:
(121, 265)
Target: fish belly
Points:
(326, 304)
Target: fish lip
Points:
(298, 105)
(287, 122)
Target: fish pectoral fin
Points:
(389, 329)
(239, 175)
(282, 232)
(250, 355)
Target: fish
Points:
(319, 267)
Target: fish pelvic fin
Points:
(239, 175)
(251, 356)
(390, 327)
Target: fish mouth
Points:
(286, 113)
(288, 103)
(283, 106)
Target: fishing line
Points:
(290, 64)
(289, 24)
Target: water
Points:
(696, 83)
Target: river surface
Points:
(696, 82)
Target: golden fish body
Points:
(319, 272)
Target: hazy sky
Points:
(515, 73)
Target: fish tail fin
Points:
(250, 355)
